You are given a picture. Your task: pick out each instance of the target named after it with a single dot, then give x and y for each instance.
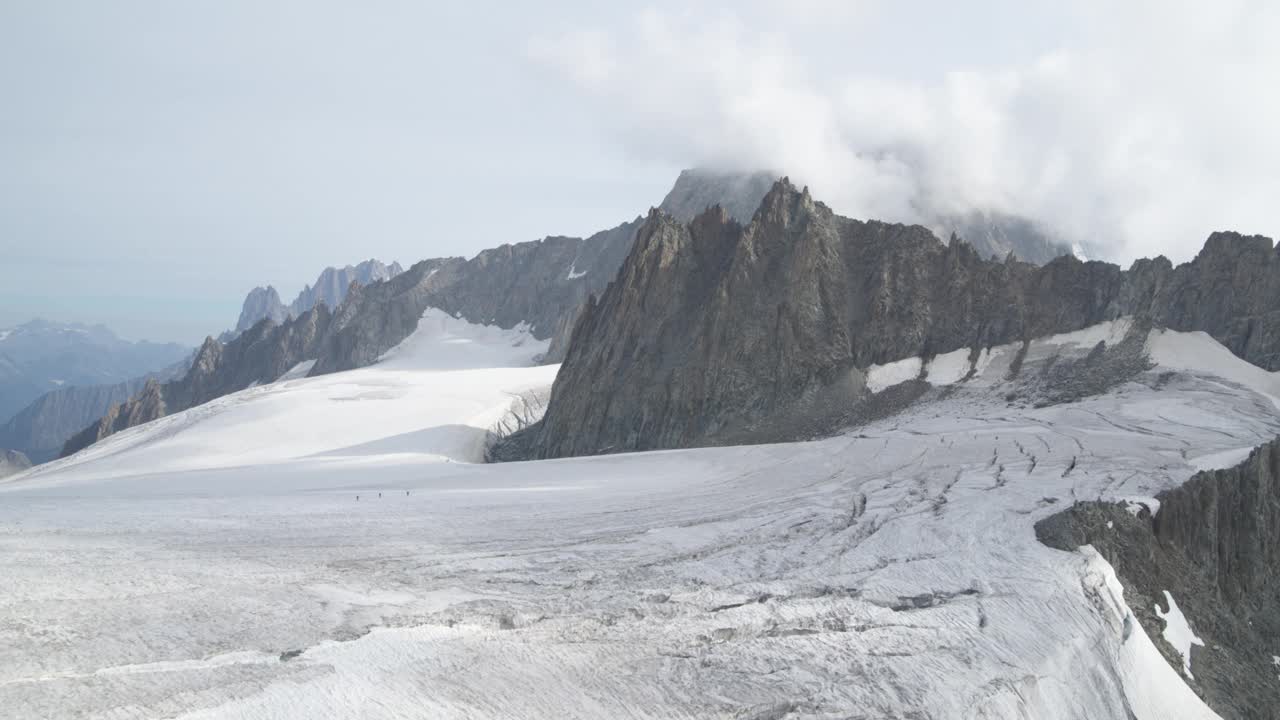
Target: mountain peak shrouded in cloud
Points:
(1116, 128)
(992, 233)
(696, 189)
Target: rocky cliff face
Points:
(717, 332)
(259, 355)
(1214, 545)
(1231, 290)
(12, 462)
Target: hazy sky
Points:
(158, 159)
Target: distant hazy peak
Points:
(739, 193)
(995, 234)
(329, 288)
(39, 327)
(261, 302)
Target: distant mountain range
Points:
(40, 356)
(40, 429)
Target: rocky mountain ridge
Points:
(993, 234)
(541, 283)
(330, 288)
(717, 332)
(545, 283)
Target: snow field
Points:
(217, 565)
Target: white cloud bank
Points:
(1139, 131)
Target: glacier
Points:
(217, 563)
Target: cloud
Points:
(1136, 130)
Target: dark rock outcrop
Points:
(12, 462)
(716, 331)
(1231, 290)
(1214, 545)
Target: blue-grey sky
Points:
(158, 159)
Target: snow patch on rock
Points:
(1177, 632)
(1198, 351)
(948, 368)
(881, 377)
(1135, 505)
(1152, 687)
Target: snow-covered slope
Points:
(432, 397)
(218, 564)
